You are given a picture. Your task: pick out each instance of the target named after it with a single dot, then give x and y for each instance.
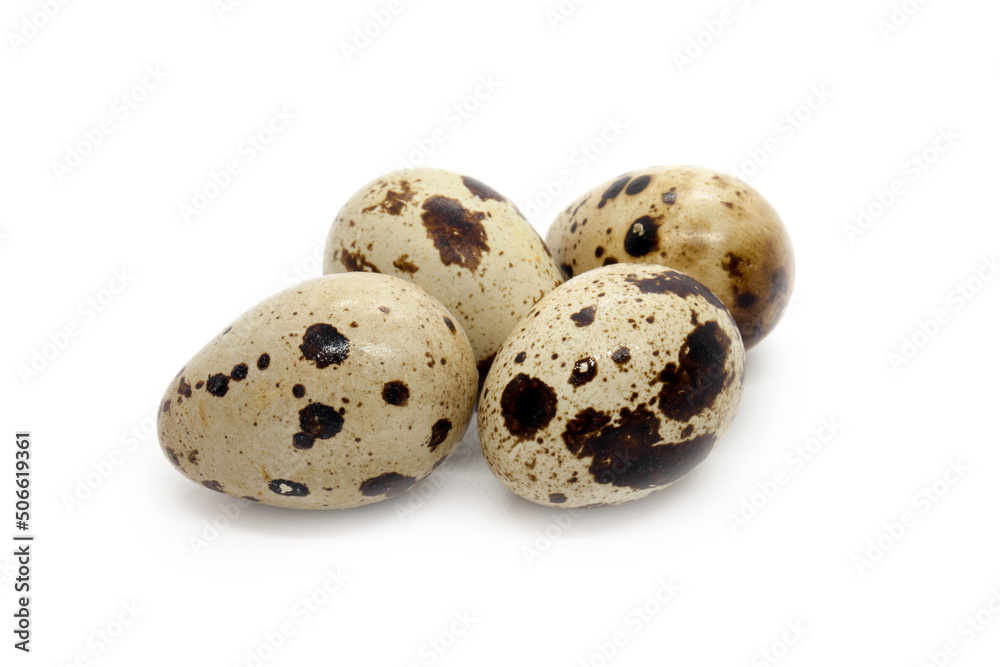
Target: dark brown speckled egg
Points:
(615, 385)
(713, 227)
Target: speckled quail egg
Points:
(616, 384)
(707, 224)
(341, 391)
(456, 237)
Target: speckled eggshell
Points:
(342, 391)
(456, 237)
(616, 385)
(707, 224)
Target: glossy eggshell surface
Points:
(342, 391)
(616, 384)
(707, 224)
(456, 237)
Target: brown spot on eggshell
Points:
(457, 233)
(403, 264)
(388, 485)
(320, 421)
(630, 453)
(673, 282)
(745, 300)
(734, 265)
(395, 200)
(284, 487)
(585, 316)
(527, 405)
(638, 185)
(621, 355)
(691, 385)
(642, 237)
(324, 345)
(217, 385)
(356, 261)
(584, 371)
(396, 393)
(439, 433)
(614, 190)
(481, 190)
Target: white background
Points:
(534, 585)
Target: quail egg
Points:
(456, 237)
(615, 385)
(341, 391)
(707, 224)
